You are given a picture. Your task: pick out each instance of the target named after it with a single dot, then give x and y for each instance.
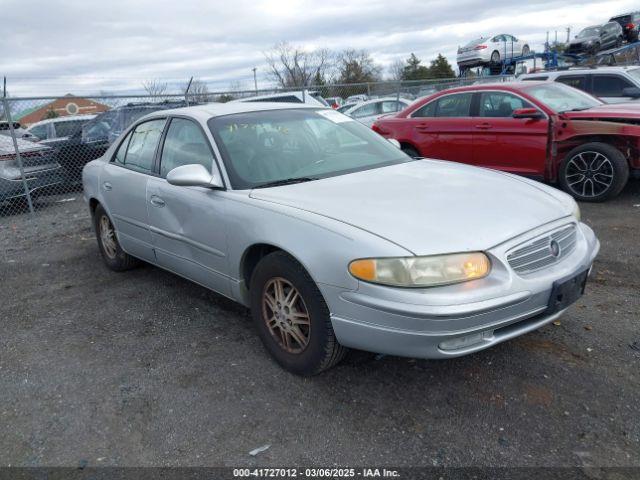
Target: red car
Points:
(544, 130)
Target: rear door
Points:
(123, 183)
(515, 145)
(581, 82)
(443, 128)
(188, 224)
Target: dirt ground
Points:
(145, 368)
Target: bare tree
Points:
(198, 91)
(155, 88)
(294, 67)
(396, 70)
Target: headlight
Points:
(576, 211)
(422, 271)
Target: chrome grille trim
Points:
(536, 254)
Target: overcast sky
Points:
(83, 46)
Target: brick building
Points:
(61, 107)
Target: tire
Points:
(595, 49)
(587, 168)
(114, 257)
(619, 42)
(319, 349)
(525, 50)
(412, 152)
(495, 57)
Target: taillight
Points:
(630, 26)
(480, 47)
(378, 129)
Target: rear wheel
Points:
(525, 50)
(292, 317)
(594, 172)
(114, 257)
(495, 57)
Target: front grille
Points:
(537, 253)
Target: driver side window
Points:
(185, 144)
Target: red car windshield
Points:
(562, 98)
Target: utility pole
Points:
(255, 78)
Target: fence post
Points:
(398, 92)
(368, 90)
(7, 112)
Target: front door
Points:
(123, 182)
(516, 145)
(188, 224)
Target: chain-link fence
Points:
(46, 141)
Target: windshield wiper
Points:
(286, 181)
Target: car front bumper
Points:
(456, 320)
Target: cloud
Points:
(51, 48)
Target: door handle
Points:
(484, 126)
(156, 201)
(422, 128)
(107, 186)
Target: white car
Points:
(303, 96)
(609, 84)
(493, 50)
(59, 128)
(368, 112)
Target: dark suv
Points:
(596, 38)
(630, 23)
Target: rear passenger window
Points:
(122, 151)
(428, 110)
(185, 144)
(575, 81)
(609, 85)
(454, 105)
(142, 146)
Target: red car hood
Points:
(617, 110)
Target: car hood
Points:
(427, 206)
(609, 110)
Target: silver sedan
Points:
(335, 238)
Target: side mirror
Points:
(394, 142)
(194, 175)
(633, 92)
(531, 113)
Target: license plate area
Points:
(567, 291)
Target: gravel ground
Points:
(145, 368)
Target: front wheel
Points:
(594, 172)
(292, 317)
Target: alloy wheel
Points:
(286, 315)
(589, 174)
(108, 237)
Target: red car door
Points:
(443, 128)
(500, 141)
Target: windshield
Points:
(562, 98)
(589, 32)
(475, 42)
(263, 147)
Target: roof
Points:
(210, 110)
(569, 71)
(68, 118)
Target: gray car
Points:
(334, 237)
(41, 170)
(596, 38)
